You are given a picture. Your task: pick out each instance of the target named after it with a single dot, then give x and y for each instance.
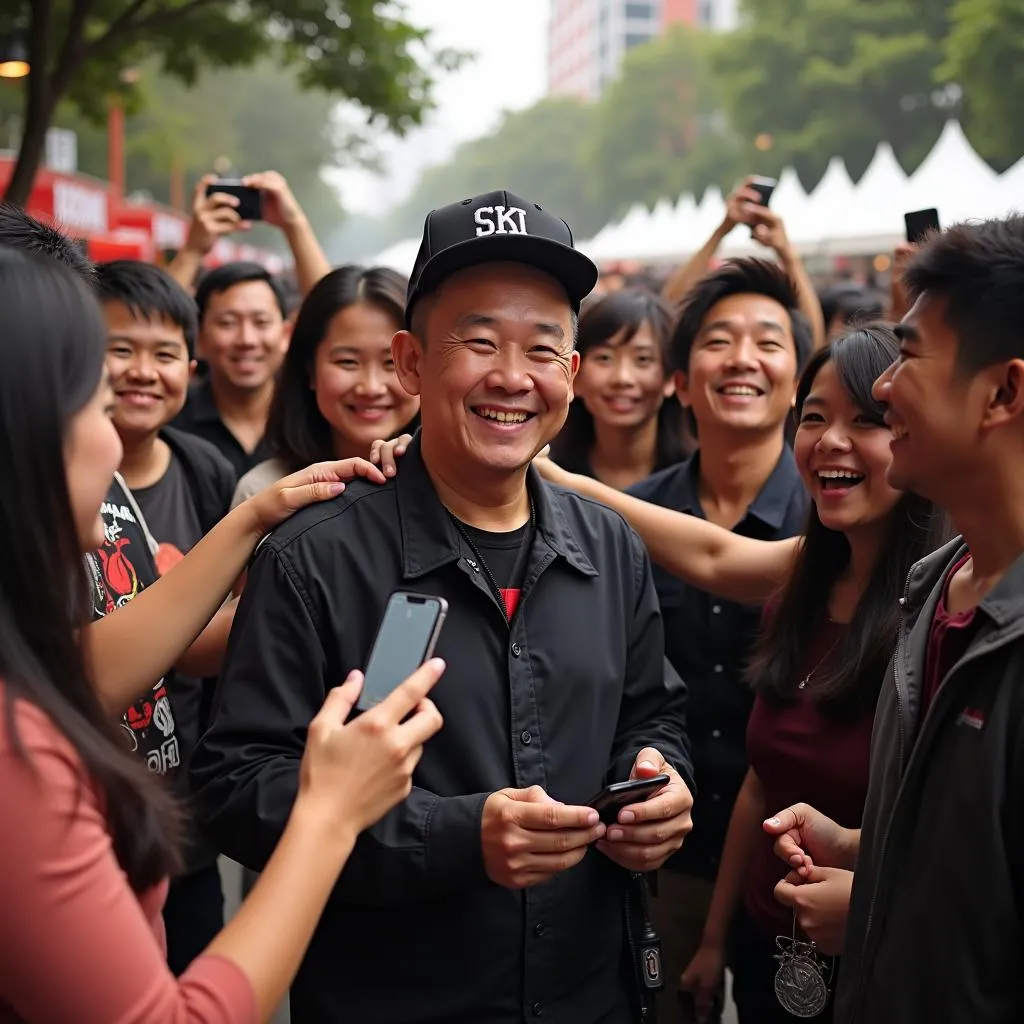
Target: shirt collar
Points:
(203, 407)
(430, 539)
(772, 501)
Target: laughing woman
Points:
(338, 389)
(625, 422)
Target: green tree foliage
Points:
(835, 77)
(361, 50)
(985, 57)
(657, 132)
(538, 152)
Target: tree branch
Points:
(71, 52)
(124, 26)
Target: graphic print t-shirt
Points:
(119, 571)
(504, 554)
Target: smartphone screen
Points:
(250, 200)
(405, 639)
(764, 187)
(919, 223)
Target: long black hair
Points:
(297, 432)
(849, 680)
(625, 310)
(52, 345)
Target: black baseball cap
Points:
(498, 227)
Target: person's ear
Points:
(1004, 400)
(407, 353)
(193, 365)
(681, 386)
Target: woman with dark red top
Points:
(829, 631)
(88, 834)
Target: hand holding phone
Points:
(764, 187)
(250, 200)
(405, 639)
(613, 798)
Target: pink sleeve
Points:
(76, 943)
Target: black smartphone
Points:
(619, 794)
(920, 223)
(764, 187)
(250, 200)
(405, 639)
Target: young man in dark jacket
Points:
(936, 920)
(177, 487)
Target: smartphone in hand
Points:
(405, 639)
(613, 798)
(250, 200)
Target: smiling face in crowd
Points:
(149, 368)
(357, 389)
(742, 365)
(842, 452)
(624, 383)
(932, 405)
(243, 335)
(495, 370)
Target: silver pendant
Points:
(800, 983)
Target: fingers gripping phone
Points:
(764, 187)
(250, 200)
(405, 639)
(612, 798)
(920, 223)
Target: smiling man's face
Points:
(743, 366)
(495, 372)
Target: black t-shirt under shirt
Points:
(505, 555)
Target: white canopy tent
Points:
(837, 218)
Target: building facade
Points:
(587, 39)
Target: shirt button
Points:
(538, 930)
(716, 609)
(526, 737)
(715, 797)
(718, 668)
(516, 650)
(537, 1010)
(716, 734)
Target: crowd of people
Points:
(762, 541)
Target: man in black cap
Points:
(493, 893)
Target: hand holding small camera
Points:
(214, 215)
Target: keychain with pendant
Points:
(803, 977)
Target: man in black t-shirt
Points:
(182, 487)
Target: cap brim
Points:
(575, 271)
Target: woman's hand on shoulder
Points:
(320, 482)
(387, 453)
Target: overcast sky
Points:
(509, 40)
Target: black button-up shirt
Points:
(708, 641)
(201, 417)
(564, 697)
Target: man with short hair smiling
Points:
(936, 922)
(177, 488)
(243, 337)
(737, 349)
(493, 893)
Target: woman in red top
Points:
(829, 633)
(88, 837)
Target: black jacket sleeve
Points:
(653, 710)
(245, 772)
